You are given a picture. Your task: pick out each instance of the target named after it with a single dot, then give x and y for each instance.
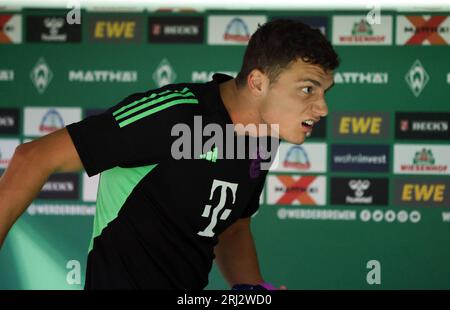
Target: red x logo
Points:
(296, 190)
(432, 36)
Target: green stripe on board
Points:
(155, 110)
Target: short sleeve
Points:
(135, 132)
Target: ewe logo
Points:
(41, 75)
(422, 192)
(417, 78)
(164, 74)
(361, 125)
(51, 121)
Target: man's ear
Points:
(257, 82)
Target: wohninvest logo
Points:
(367, 158)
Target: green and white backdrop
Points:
(363, 204)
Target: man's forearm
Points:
(236, 256)
(19, 184)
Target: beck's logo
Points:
(213, 212)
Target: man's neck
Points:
(241, 107)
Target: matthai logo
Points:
(417, 78)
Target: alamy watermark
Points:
(230, 144)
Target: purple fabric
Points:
(268, 286)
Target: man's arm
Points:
(29, 169)
(236, 254)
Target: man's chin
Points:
(298, 139)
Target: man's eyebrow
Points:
(316, 83)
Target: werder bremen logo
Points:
(417, 78)
(362, 28)
(41, 75)
(424, 157)
(164, 74)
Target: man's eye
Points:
(307, 90)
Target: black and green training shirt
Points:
(158, 218)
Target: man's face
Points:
(296, 100)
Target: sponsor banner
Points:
(356, 30)
(421, 159)
(61, 209)
(206, 76)
(422, 125)
(6, 75)
(361, 77)
(359, 158)
(176, 29)
(41, 121)
(103, 76)
(232, 30)
(423, 30)
(10, 29)
(90, 186)
(315, 22)
(373, 125)
(296, 190)
(308, 157)
(9, 121)
(52, 29)
(422, 192)
(115, 28)
(359, 191)
(64, 186)
(7, 148)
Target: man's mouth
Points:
(308, 123)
